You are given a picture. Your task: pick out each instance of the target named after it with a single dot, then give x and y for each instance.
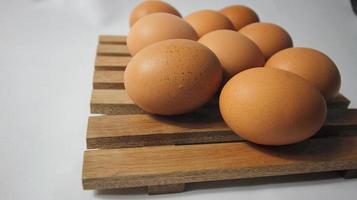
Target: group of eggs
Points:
(269, 92)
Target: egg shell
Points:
(173, 77)
(312, 65)
(235, 51)
(150, 7)
(205, 21)
(272, 107)
(240, 16)
(158, 27)
(269, 37)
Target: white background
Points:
(47, 50)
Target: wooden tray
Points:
(129, 148)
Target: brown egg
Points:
(312, 65)
(158, 27)
(270, 38)
(149, 7)
(173, 77)
(205, 21)
(240, 15)
(235, 51)
(272, 107)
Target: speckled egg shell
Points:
(235, 51)
(270, 38)
(272, 107)
(240, 16)
(205, 21)
(158, 27)
(173, 77)
(312, 65)
(150, 7)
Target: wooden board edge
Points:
(112, 39)
(115, 109)
(133, 182)
(340, 161)
(161, 139)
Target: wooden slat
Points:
(104, 79)
(147, 166)
(112, 39)
(113, 102)
(112, 50)
(119, 131)
(111, 62)
(110, 102)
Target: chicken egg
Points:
(240, 15)
(150, 7)
(173, 77)
(312, 65)
(235, 51)
(270, 38)
(205, 21)
(271, 106)
(158, 27)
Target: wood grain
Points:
(111, 62)
(104, 79)
(109, 101)
(112, 50)
(112, 39)
(150, 166)
(121, 131)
